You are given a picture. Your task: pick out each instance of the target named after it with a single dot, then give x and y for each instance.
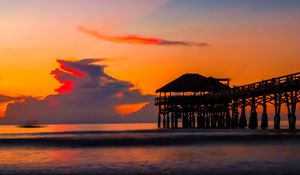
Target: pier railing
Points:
(270, 86)
(279, 84)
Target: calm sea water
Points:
(13, 129)
(144, 149)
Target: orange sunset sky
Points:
(146, 42)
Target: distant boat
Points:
(31, 124)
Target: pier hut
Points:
(184, 101)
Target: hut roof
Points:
(192, 83)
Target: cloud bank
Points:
(5, 98)
(136, 39)
(86, 95)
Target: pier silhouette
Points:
(205, 102)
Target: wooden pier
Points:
(195, 101)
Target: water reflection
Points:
(5, 129)
(209, 159)
(78, 127)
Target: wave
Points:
(148, 138)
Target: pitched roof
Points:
(192, 83)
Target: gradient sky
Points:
(246, 40)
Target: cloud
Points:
(126, 109)
(5, 98)
(139, 39)
(86, 95)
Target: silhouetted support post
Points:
(176, 121)
(264, 116)
(164, 120)
(225, 119)
(293, 110)
(202, 120)
(172, 120)
(159, 111)
(158, 117)
(243, 120)
(168, 120)
(184, 120)
(202, 117)
(158, 120)
(189, 120)
(291, 101)
(222, 117)
(207, 120)
(194, 118)
(187, 123)
(164, 111)
(277, 106)
(198, 111)
(199, 119)
(228, 119)
(221, 120)
(253, 123)
(215, 119)
(212, 120)
(181, 117)
(235, 114)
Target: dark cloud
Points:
(140, 39)
(87, 95)
(4, 98)
(183, 43)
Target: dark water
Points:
(143, 149)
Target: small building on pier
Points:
(184, 102)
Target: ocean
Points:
(145, 149)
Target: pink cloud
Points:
(136, 39)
